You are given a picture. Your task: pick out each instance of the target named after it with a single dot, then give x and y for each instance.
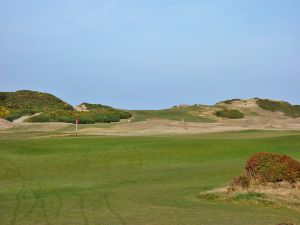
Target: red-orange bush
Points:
(271, 167)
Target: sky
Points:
(151, 54)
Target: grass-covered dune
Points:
(281, 106)
(187, 114)
(52, 109)
(104, 115)
(134, 180)
(16, 104)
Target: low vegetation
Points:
(52, 109)
(90, 106)
(229, 101)
(104, 115)
(186, 114)
(239, 182)
(271, 167)
(270, 179)
(265, 167)
(281, 106)
(3, 112)
(286, 223)
(230, 113)
(16, 104)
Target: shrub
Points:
(90, 106)
(4, 112)
(231, 100)
(106, 115)
(270, 167)
(286, 223)
(238, 182)
(68, 107)
(2, 96)
(230, 113)
(241, 181)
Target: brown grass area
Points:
(159, 126)
(282, 191)
(282, 194)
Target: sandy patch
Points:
(4, 124)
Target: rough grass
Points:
(281, 106)
(188, 114)
(283, 195)
(132, 180)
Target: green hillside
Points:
(52, 109)
(16, 104)
(281, 106)
(97, 115)
(187, 114)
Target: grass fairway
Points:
(133, 180)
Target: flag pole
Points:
(76, 126)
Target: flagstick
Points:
(76, 128)
(76, 122)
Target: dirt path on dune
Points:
(23, 118)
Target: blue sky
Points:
(140, 54)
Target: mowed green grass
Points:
(133, 180)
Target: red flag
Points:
(76, 121)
